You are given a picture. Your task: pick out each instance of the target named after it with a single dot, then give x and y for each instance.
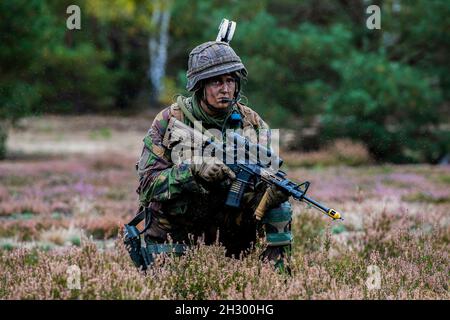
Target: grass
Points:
(426, 197)
(64, 211)
(102, 133)
(411, 268)
(341, 152)
(330, 259)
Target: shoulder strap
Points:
(191, 118)
(146, 214)
(176, 112)
(185, 110)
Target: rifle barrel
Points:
(315, 203)
(328, 211)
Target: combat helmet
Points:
(211, 59)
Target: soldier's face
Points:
(218, 88)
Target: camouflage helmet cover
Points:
(211, 59)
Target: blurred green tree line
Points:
(312, 63)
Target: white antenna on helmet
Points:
(226, 30)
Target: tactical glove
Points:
(212, 172)
(275, 197)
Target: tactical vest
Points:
(250, 118)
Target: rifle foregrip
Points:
(261, 209)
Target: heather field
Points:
(69, 184)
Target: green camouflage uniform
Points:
(183, 205)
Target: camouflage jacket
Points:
(171, 190)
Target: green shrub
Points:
(24, 35)
(389, 106)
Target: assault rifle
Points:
(180, 138)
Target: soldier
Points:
(187, 200)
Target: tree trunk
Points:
(3, 137)
(157, 44)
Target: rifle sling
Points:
(146, 214)
(197, 124)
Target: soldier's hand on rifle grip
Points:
(275, 197)
(212, 172)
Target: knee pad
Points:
(277, 223)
